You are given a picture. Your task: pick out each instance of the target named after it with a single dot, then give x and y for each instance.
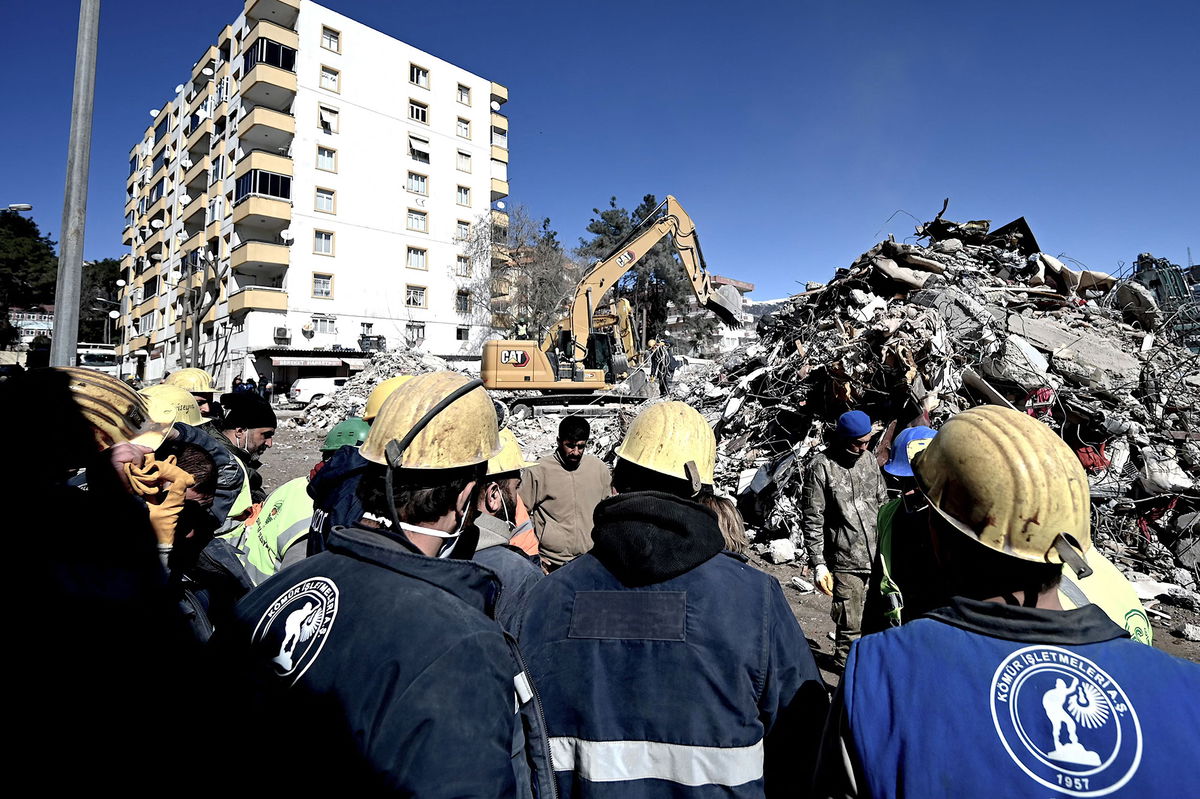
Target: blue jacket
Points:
(516, 571)
(981, 699)
(378, 668)
(667, 667)
(334, 489)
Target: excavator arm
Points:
(668, 219)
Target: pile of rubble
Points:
(349, 399)
(912, 334)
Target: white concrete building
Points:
(725, 339)
(314, 178)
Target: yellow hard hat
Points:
(1006, 480)
(116, 413)
(194, 380)
(652, 343)
(172, 402)
(462, 433)
(668, 436)
(380, 393)
(510, 458)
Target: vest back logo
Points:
(294, 628)
(1065, 722)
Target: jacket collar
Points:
(1086, 625)
(493, 532)
(476, 585)
(647, 537)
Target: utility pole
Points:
(79, 149)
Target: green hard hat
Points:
(353, 431)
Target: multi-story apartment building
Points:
(305, 195)
(723, 339)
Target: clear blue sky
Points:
(789, 130)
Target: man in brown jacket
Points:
(561, 491)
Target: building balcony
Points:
(263, 212)
(499, 93)
(213, 230)
(146, 306)
(499, 121)
(500, 154)
(138, 343)
(127, 235)
(193, 209)
(269, 86)
(159, 173)
(499, 189)
(155, 241)
(194, 242)
(259, 257)
(266, 129)
(266, 161)
(207, 59)
(257, 298)
(197, 140)
(281, 12)
(197, 176)
(156, 210)
(267, 29)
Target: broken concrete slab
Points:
(781, 550)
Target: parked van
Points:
(307, 389)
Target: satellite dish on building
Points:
(120, 284)
(158, 256)
(495, 105)
(114, 314)
(174, 276)
(153, 112)
(207, 71)
(156, 224)
(500, 206)
(286, 235)
(308, 327)
(179, 88)
(184, 199)
(185, 162)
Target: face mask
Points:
(448, 539)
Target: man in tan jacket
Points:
(561, 491)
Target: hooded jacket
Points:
(388, 664)
(334, 490)
(667, 666)
(517, 572)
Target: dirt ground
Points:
(295, 451)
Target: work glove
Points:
(163, 485)
(824, 580)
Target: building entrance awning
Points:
(355, 364)
(295, 361)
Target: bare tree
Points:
(520, 270)
(199, 299)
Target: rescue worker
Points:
(200, 384)
(843, 492)
(1003, 692)
(669, 667)
(248, 429)
(561, 490)
(497, 508)
(334, 488)
(905, 582)
(381, 650)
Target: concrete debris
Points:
(801, 585)
(913, 334)
(1190, 632)
(781, 550)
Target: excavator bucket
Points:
(727, 308)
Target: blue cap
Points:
(853, 424)
(908, 443)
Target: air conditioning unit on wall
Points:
(283, 333)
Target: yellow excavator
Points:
(586, 353)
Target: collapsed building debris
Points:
(913, 333)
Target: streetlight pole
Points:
(70, 256)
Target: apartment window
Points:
(367, 327)
(265, 51)
(259, 182)
(418, 220)
(414, 332)
(418, 112)
(500, 137)
(327, 159)
(462, 266)
(463, 196)
(330, 79)
(462, 334)
(418, 148)
(327, 118)
(464, 94)
(161, 129)
(331, 40)
(322, 285)
(418, 184)
(464, 161)
(324, 324)
(133, 165)
(414, 297)
(325, 201)
(323, 242)
(462, 230)
(416, 258)
(462, 301)
(463, 128)
(418, 76)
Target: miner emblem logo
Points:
(294, 628)
(1065, 722)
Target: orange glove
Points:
(163, 485)
(824, 580)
